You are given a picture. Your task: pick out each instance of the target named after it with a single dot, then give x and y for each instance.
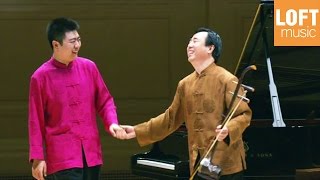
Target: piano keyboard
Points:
(156, 164)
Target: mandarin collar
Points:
(207, 69)
(58, 64)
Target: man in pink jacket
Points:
(65, 94)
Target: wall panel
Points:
(232, 19)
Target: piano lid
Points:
(296, 71)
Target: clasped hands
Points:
(122, 131)
(127, 132)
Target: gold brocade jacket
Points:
(200, 101)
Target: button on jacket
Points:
(200, 101)
(63, 102)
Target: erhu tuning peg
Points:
(249, 88)
(247, 100)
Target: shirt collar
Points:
(206, 70)
(58, 64)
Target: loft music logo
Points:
(296, 23)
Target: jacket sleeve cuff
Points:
(142, 134)
(36, 152)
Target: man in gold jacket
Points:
(201, 100)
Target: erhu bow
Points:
(204, 167)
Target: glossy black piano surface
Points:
(271, 152)
(278, 151)
(168, 159)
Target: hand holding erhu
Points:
(205, 168)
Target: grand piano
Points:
(285, 129)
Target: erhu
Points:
(204, 167)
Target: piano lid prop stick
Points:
(277, 115)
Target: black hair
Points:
(57, 28)
(213, 38)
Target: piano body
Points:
(167, 159)
(273, 150)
